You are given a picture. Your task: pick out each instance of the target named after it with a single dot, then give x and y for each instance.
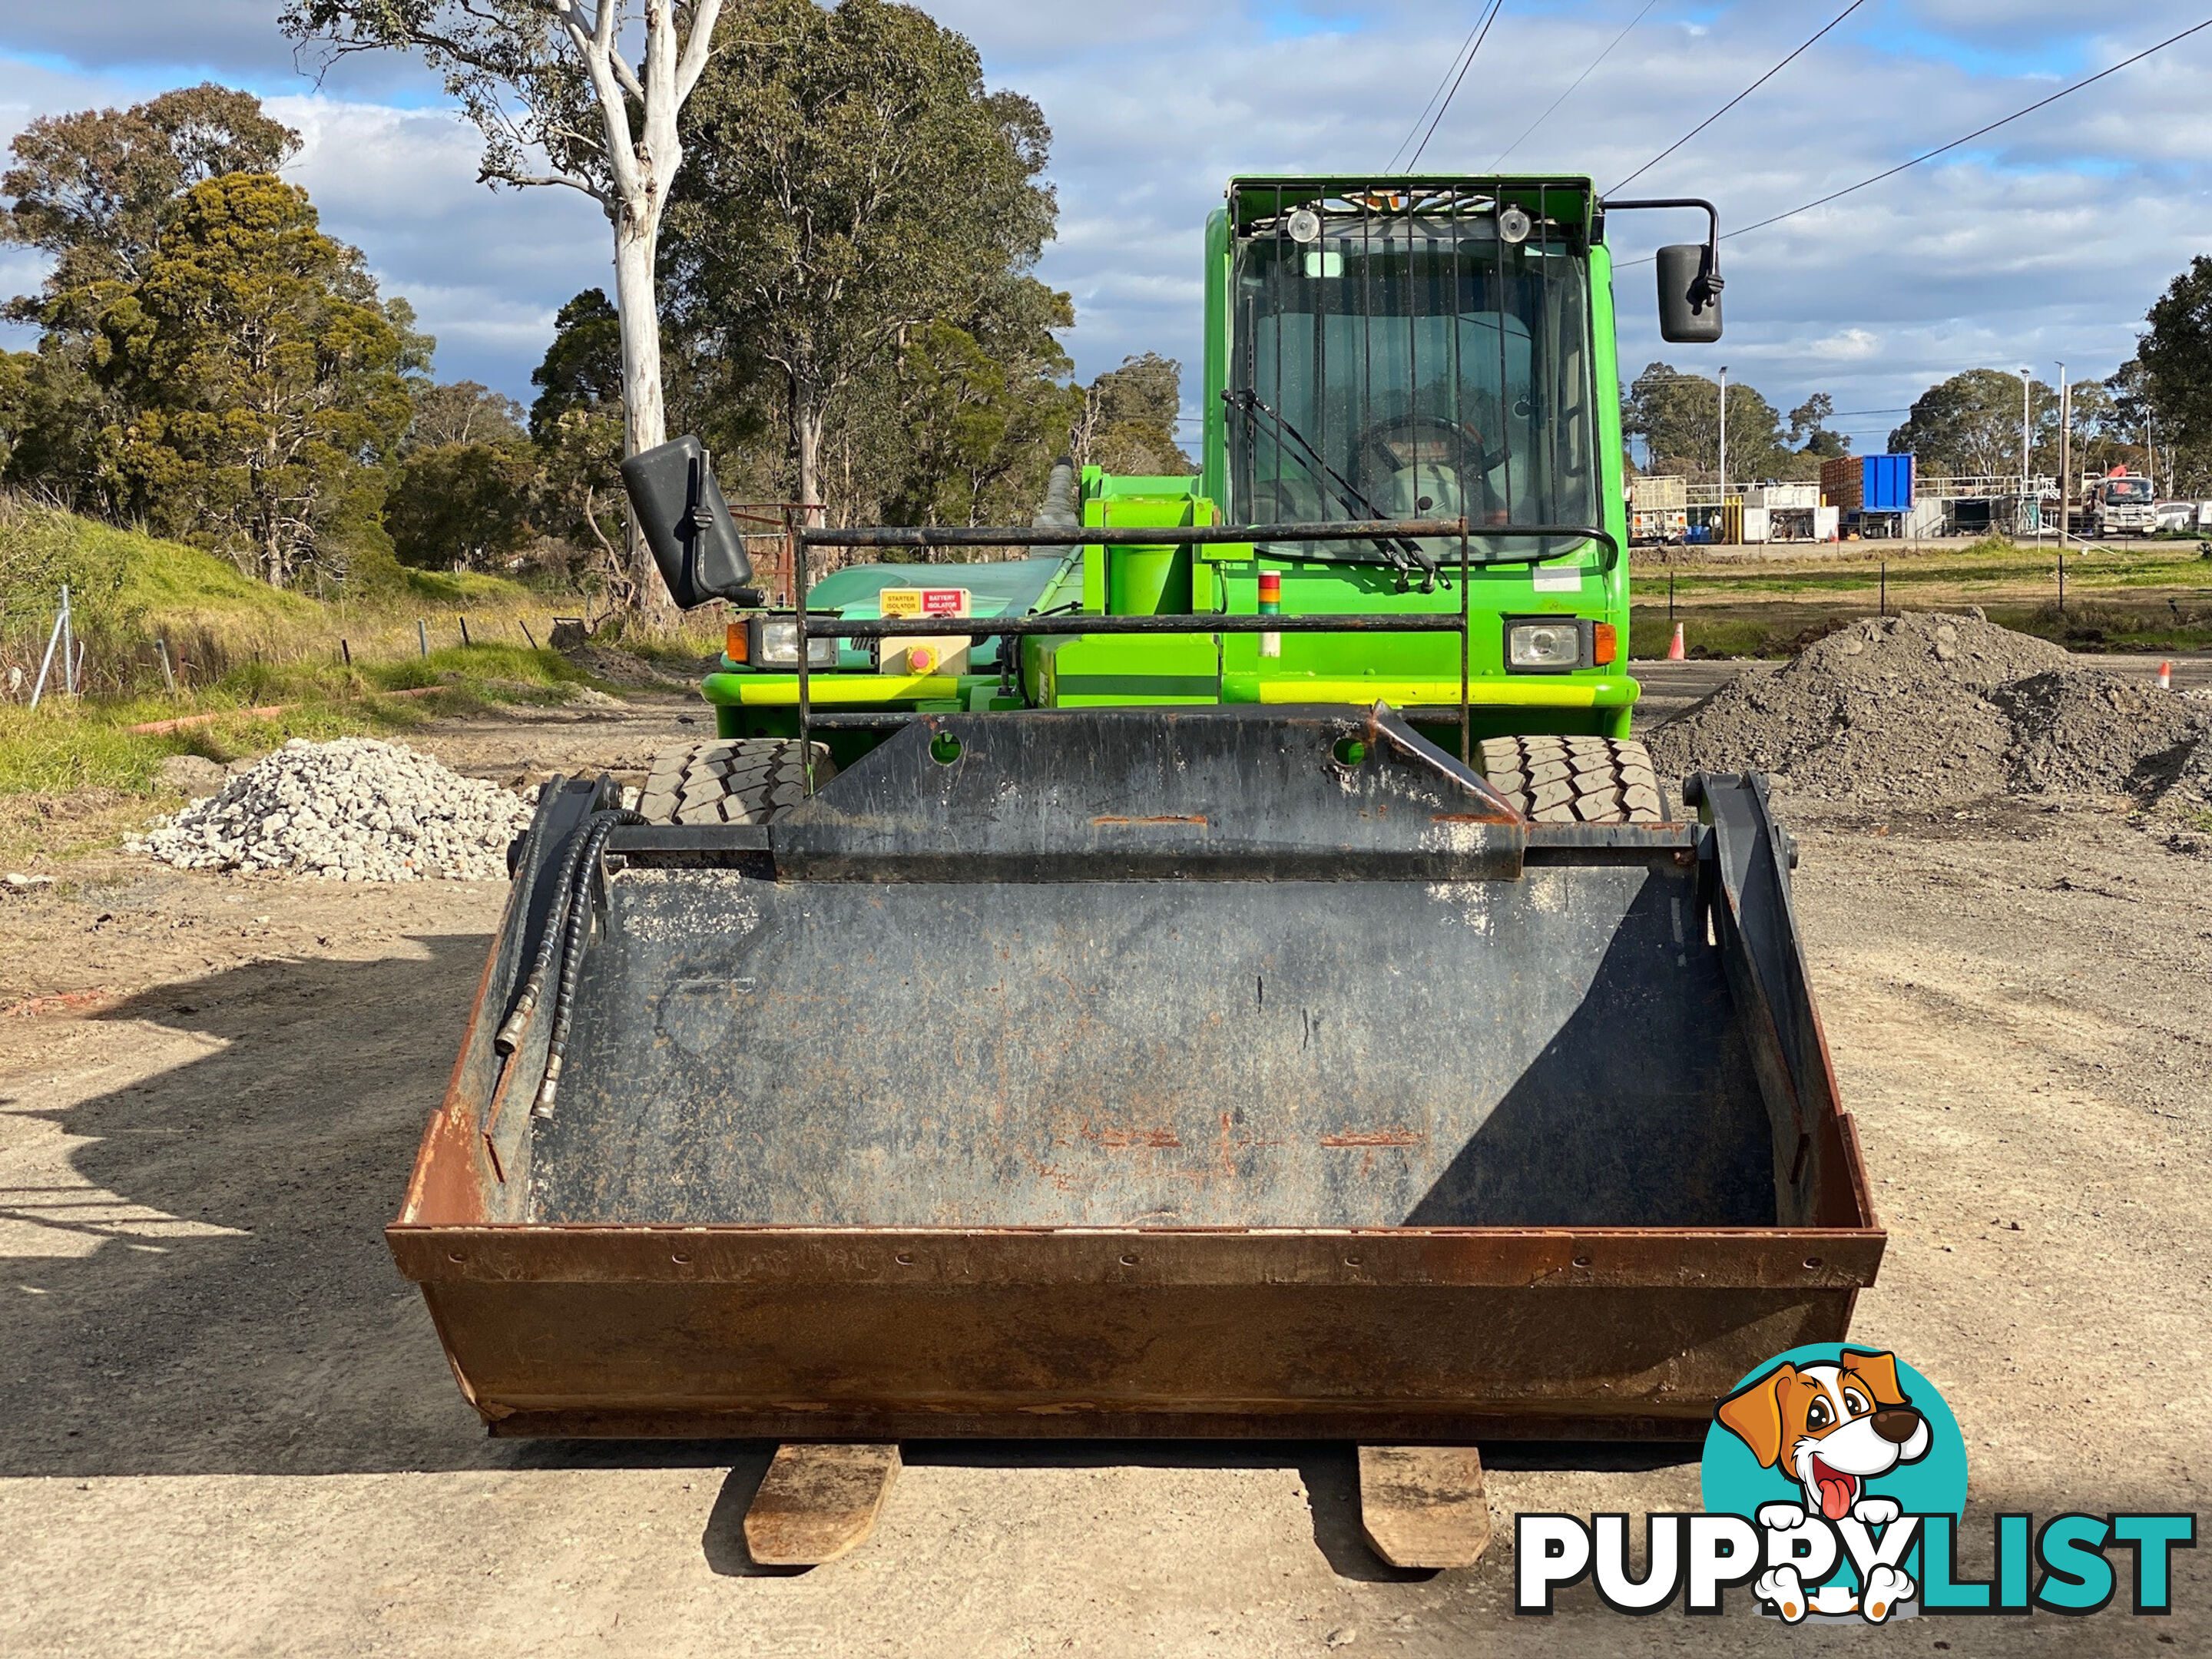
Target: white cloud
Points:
(1850, 345)
(484, 269)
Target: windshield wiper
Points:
(1403, 552)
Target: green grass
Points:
(2144, 597)
(137, 597)
(164, 579)
(235, 644)
(60, 747)
(464, 588)
(73, 776)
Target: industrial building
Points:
(1858, 496)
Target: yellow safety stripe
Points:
(1530, 693)
(826, 687)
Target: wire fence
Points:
(30, 641)
(47, 652)
(110, 657)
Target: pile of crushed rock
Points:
(1932, 706)
(354, 810)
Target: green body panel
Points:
(1081, 670)
(1418, 672)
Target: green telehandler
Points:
(1228, 972)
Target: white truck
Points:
(1658, 510)
(2120, 504)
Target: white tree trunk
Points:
(807, 440)
(645, 415)
(496, 43)
(641, 166)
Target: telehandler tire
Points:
(1575, 780)
(730, 781)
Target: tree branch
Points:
(506, 176)
(603, 35)
(698, 48)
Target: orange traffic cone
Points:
(1674, 651)
(2166, 675)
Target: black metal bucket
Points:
(1036, 1047)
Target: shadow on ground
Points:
(273, 1335)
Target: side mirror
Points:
(1689, 294)
(687, 522)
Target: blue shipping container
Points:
(1888, 486)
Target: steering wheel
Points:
(1427, 445)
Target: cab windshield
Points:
(1411, 364)
(2127, 489)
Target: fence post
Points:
(422, 636)
(345, 650)
(169, 674)
(53, 641)
(1885, 587)
(527, 634)
(465, 639)
(69, 644)
(2061, 584)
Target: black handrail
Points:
(1210, 535)
(983, 628)
(1160, 536)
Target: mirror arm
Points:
(1711, 275)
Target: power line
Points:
(1442, 81)
(1496, 6)
(1941, 150)
(1738, 99)
(1569, 93)
(1977, 132)
(1391, 166)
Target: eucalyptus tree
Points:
(265, 375)
(552, 86)
(93, 187)
(854, 184)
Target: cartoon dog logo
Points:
(1831, 1429)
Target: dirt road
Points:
(227, 1428)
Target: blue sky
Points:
(2048, 241)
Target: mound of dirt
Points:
(1934, 706)
(2091, 730)
(616, 666)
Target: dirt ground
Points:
(227, 1428)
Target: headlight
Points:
(1556, 646)
(775, 644)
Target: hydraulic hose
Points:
(511, 1029)
(571, 926)
(518, 856)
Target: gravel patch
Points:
(354, 810)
